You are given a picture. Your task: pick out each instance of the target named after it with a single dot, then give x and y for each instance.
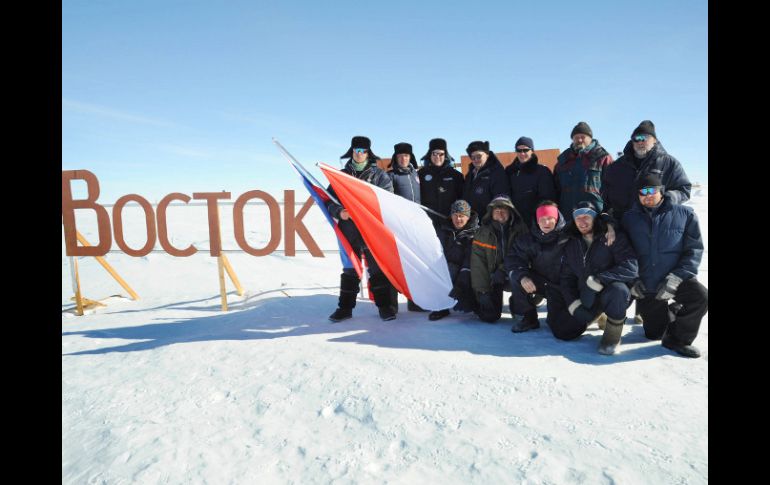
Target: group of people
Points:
(589, 238)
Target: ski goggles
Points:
(649, 190)
(359, 150)
(640, 137)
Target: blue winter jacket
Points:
(406, 181)
(620, 178)
(667, 239)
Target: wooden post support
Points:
(109, 269)
(222, 288)
(232, 275)
(76, 286)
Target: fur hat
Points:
(360, 142)
(404, 148)
(477, 146)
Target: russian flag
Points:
(349, 258)
(400, 236)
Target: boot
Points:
(438, 315)
(414, 307)
(528, 322)
(601, 321)
(611, 338)
(382, 291)
(690, 351)
(348, 292)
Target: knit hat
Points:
(477, 146)
(526, 141)
(437, 144)
(649, 180)
(460, 207)
(583, 128)
(585, 207)
(360, 142)
(646, 127)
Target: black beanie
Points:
(360, 142)
(476, 146)
(583, 128)
(646, 127)
(526, 141)
(649, 180)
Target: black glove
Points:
(583, 315)
(499, 277)
(486, 305)
(638, 290)
(667, 289)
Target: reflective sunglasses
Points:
(437, 153)
(649, 190)
(640, 137)
(359, 150)
(523, 150)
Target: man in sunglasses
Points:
(440, 183)
(642, 155)
(530, 181)
(362, 164)
(668, 242)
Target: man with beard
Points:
(643, 155)
(579, 168)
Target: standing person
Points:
(533, 265)
(500, 227)
(595, 278)
(406, 183)
(668, 240)
(579, 168)
(530, 182)
(643, 155)
(362, 164)
(456, 237)
(440, 183)
(486, 177)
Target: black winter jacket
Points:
(619, 184)
(537, 252)
(439, 187)
(530, 184)
(457, 244)
(608, 264)
(490, 182)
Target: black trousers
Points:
(521, 301)
(683, 325)
(613, 300)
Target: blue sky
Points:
(185, 96)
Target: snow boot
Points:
(348, 292)
(690, 351)
(414, 307)
(528, 322)
(383, 296)
(438, 315)
(611, 338)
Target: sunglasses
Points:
(640, 137)
(438, 154)
(359, 150)
(649, 190)
(523, 150)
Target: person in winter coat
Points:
(533, 265)
(579, 168)
(440, 183)
(362, 164)
(456, 237)
(668, 242)
(595, 278)
(486, 177)
(642, 155)
(500, 227)
(406, 183)
(530, 182)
